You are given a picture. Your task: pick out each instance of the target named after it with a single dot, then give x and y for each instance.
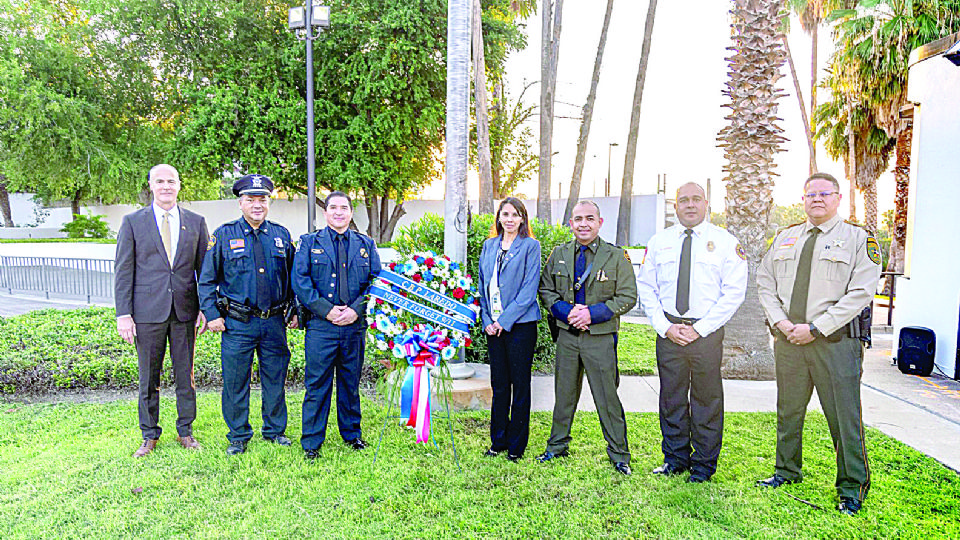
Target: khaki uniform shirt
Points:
(611, 281)
(843, 274)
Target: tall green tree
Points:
(750, 141)
(74, 119)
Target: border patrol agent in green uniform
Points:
(813, 283)
(587, 284)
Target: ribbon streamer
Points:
(419, 309)
(421, 347)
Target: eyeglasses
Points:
(821, 194)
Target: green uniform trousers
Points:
(597, 356)
(834, 369)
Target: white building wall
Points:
(930, 294)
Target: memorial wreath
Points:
(418, 316)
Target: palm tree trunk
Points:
(549, 53)
(587, 118)
(852, 171)
(626, 191)
(803, 110)
(750, 142)
(480, 104)
(870, 207)
(901, 173)
(813, 94)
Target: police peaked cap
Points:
(253, 184)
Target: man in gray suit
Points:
(160, 250)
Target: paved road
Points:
(18, 304)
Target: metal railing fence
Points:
(88, 278)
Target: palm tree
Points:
(750, 142)
(480, 108)
(873, 49)
(549, 55)
(587, 118)
(626, 190)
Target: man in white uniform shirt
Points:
(693, 279)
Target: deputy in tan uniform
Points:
(815, 279)
(587, 284)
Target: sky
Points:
(682, 109)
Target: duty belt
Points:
(244, 313)
(680, 320)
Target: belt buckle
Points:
(686, 321)
(264, 314)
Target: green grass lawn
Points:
(637, 349)
(67, 473)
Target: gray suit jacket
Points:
(145, 285)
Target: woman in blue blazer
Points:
(509, 278)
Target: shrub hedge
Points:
(52, 349)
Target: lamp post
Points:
(609, 154)
(319, 17)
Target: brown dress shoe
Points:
(145, 448)
(188, 442)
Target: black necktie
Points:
(264, 296)
(801, 284)
(683, 276)
(342, 292)
(580, 266)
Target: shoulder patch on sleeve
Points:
(211, 242)
(740, 252)
(873, 250)
(626, 256)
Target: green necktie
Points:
(801, 284)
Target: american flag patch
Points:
(236, 243)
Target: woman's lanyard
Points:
(496, 302)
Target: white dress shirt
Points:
(174, 227)
(718, 277)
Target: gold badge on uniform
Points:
(601, 275)
(710, 246)
(212, 242)
(873, 250)
(363, 252)
(741, 253)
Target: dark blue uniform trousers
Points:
(332, 349)
(268, 337)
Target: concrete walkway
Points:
(922, 412)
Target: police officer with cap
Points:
(332, 272)
(245, 294)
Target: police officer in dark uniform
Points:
(245, 294)
(332, 272)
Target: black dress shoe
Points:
(622, 468)
(236, 448)
(849, 506)
(311, 455)
(281, 440)
(357, 444)
(669, 469)
(775, 481)
(697, 478)
(492, 453)
(548, 455)
(514, 457)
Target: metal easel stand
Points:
(444, 380)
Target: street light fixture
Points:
(319, 17)
(609, 154)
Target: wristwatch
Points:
(815, 332)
